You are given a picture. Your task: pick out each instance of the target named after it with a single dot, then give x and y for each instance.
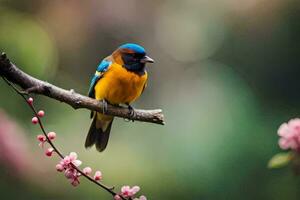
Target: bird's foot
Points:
(104, 106)
(132, 113)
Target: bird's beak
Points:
(147, 59)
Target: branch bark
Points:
(33, 85)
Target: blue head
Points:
(133, 57)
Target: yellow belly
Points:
(119, 86)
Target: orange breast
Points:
(119, 85)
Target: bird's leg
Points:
(104, 106)
(132, 112)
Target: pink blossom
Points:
(98, 176)
(42, 139)
(34, 120)
(73, 176)
(73, 159)
(41, 113)
(66, 165)
(49, 151)
(51, 135)
(135, 189)
(15, 154)
(75, 182)
(129, 192)
(70, 173)
(117, 197)
(141, 198)
(290, 135)
(30, 101)
(87, 170)
(59, 167)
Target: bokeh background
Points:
(226, 76)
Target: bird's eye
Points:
(134, 57)
(138, 55)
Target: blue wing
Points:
(101, 69)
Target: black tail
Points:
(97, 136)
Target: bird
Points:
(120, 78)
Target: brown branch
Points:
(32, 85)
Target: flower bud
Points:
(117, 197)
(41, 113)
(34, 120)
(51, 135)
(30, 100)
(87, 170)
(98, 176)
(49, 151)
(41, 138)
(59, 167)
(75, 182)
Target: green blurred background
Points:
(226, 76)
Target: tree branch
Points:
(32, 85)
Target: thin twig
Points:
(22, 94)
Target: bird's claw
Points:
(104, 106)
(132, 113)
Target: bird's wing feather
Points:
(145, 85)
(101, 69)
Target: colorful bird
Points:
(119, 79)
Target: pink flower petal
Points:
(143, 197)
(87, 170)
(49, 151)
(77, 163)
(51, 135)
(69, 173)
(125, 188)
(283, 143)
(73, 156)
(75, 182)
(30, 100)
(135, 189)
(66, 160)
(290, 135)
(59, 167)
(41, 138)
(98, 176)
(283, 130)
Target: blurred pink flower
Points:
(51, 135)
(14, 153)
(59, 167)
(126, 191)
(18, 159)
(98, 176)
(49, 151)
(141, 198)
(290, 135)
(87, 170)
(73, 159)
(34, 120)
(70, 172)
(75, 181)
(42, 139)
(117, 197)
(30, 101)
(41, 113)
